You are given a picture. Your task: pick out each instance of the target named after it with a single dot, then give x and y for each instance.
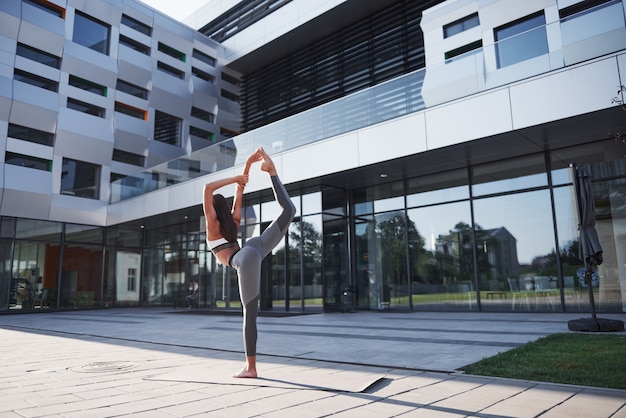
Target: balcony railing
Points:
(602, 27)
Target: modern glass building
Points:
(428, 146)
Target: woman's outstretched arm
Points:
(236, 210)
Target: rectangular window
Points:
(35, 80)
(172, 52)
(230, 79)
(202, 114)
(31, 135)
(201, 133)
(132, 280)
(584, 7)
(128, 158)
(85, 107)
(461, 25)
(137, 25)
(90, 86)
(228, 133)
(132, 44)
(131, 111)
(202, 75)
(201, 56)
(35, 54)
(230, 96)
(521, 40)
(132, 89)
(167, 128)
(47, 7)
(28, 161)
(463, 51)
(80, 179)
(170, 70)
(91, 33)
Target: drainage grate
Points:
(105, 367)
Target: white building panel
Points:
(27, 179)
(78, 210)
(320, 158)
(467, 119)
(29, 148)
(575, 91)
(25, 204)
(33, 116)
(35, 96)
(392, 139)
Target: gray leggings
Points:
(247, 262)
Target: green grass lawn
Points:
(574, 358)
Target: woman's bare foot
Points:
(245, 373)
(267, 164)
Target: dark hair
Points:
(228, 228)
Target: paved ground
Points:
(164, 363)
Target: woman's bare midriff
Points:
(224, 255)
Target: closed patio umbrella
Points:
(590, 250)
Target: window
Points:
(47, 7)
(228, 133)
(170, 70)
(201, 133)
(132, 44)
(461, 25)
(131, 285)
(27, 161)
(172, 52)
(230, 79)
(202, 114)
(132, 89)
(35, 80)
(80, 179)
(201, 56)
(38, 56)
(85, 107)
(167, 128)
(230, 96)
(128, 157)
(91, 33)
(90, 86)
(465, 49)
(583, 7)
(137, 25)
(31, 135)
(521, 40)
(202, 75)
(131, 111)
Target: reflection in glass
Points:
(441, 257)
(336, 262)
(516, 235)
(305, 243)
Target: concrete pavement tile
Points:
(284, 398)
(377, 409)
(437, 391)
(197, 407)
(482, 397)
(589, 403)
(532, 402)
(621, 413)
(322, 407)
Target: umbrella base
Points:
(597, 325)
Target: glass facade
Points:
(495, 237)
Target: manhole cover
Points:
(105, 367)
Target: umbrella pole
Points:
(589, 281)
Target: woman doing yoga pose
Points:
(222, 225)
